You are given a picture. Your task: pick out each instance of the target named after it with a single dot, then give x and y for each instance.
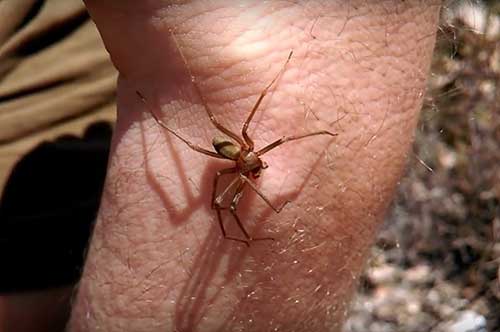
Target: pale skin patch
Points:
(240, 149)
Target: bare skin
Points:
(240, 149)
(157, 260)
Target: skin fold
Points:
(157, 260)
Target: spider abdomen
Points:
(226, 148)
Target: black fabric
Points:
(54, 72)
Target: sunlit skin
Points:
(248, 163)
(157, 260)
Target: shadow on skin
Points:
(48, 207)
(47, 212)
(196, 296)
(202, 287)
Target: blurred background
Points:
(435, 266)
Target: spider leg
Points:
(164, 126)
(232, 209)
(227, 237)
(216, 205)
(291, 138)
(210, 114)
(258, 192)
(248, 140)
(217, 199)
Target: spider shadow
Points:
(216, 253)
(194, 298)
(268, 258)
(199, 292)
(192, 202)
(218, 262)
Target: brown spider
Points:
(247, 162)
